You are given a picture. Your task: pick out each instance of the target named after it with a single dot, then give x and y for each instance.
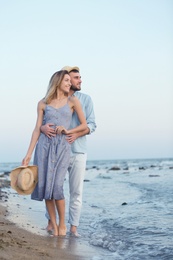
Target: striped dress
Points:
(52, 156)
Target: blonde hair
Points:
(54, 84)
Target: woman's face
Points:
(65, 84)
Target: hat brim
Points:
(14, 174)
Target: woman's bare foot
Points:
(56, 232)
(49, 227)
(62, 231)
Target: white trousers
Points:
(76, 172)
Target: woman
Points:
(52, 155)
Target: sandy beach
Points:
(17, 243)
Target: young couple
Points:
(65, 117)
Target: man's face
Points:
(75, 81)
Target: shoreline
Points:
(18, 243)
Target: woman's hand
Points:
(61, 130)
(26, 160)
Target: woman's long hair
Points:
(54, 84)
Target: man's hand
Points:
(48, 130)
(71, 138)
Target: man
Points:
(78, 158)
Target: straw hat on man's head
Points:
(24, 179)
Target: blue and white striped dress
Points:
(52, 156)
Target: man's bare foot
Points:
(73, 231)
(62, 231)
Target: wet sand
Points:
(17, 243)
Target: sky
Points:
(124, 50)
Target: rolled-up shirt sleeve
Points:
(80, 144)
(90, 115)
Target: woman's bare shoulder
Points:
(42, 103)
(73, 99)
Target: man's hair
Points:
(74, 70)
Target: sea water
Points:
(127, 208)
